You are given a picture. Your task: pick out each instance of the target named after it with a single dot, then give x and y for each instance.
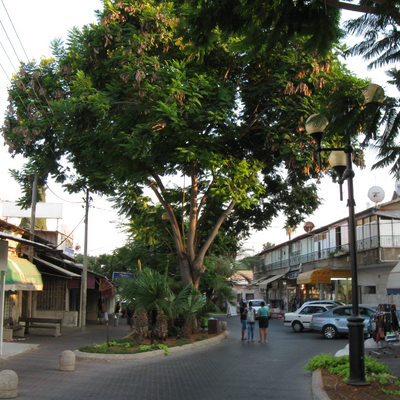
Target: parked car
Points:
(334, 302)
(334, 322)
(300, 319)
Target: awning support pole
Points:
(3, 268)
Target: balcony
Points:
(389, 244)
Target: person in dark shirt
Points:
(243, 318)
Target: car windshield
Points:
(256, 303)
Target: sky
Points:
(36, 24)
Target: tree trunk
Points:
(191, 272)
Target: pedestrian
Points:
(100, 312)
(243, 318)
(263, 314)
(251, 320)
(293, 304)
(117, 314)
(130, 314)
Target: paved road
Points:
(233, 369)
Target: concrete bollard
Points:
(67, 361)
(8, 384)
(224, 326)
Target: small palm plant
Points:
(151, 291)
(196, 308)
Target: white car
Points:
(256, 304)
(301, 318)
(334, 302)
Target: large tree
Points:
(130, 108)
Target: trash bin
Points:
(213, 326)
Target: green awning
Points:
(22, 275)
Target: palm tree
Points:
(151, 292)
(290, 230)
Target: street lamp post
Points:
(341, 161)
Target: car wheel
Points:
(297, 327)
(330, 332)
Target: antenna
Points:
(376, 194)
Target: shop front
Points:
(22, 278)
(325, 284)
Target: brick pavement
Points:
(232, 369)
(208, 374)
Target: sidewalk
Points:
(71, 338)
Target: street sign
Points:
(117, 275)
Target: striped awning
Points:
(263, 284)
(22, 275)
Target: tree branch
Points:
(174, 223)
(364, 9)
(194, 191)
(201, 254)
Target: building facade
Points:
(316, 265)
(50, 285)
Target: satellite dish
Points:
(376, 194)
(397, 187)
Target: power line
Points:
(66, 201)
(15, 33)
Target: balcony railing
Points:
(364, 244)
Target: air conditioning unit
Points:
(261, 290)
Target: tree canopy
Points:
(263, 24)
(130, 108)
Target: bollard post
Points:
(67, 361)
(8, 384)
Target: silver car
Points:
(334, 322)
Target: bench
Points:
(42, 323)
(10, 330)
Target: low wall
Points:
(69, 318)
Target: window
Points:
(370, 290)
(359, 229)
(312, 310)
(342, 312)
(366, 312)
(52, 297)
(366, 230)
(8, 304)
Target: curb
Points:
(150, 354)
(318, 386)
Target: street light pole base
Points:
(357, 383)
(356, 351)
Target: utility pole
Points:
(33, 216)
(32, 237)
(84, 271)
